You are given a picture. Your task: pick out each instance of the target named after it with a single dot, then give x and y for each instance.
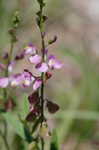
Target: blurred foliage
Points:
(81, 96)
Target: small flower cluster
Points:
(26, 78)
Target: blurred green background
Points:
(75, 87)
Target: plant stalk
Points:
(42, 74)
(43, 59)
(6, 71)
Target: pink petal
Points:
(22, 79)
(42, 67)
(16, 80)
(27, 78)
(36, 59)
(51, 57)
(54, 63)
(57, 65)
(51, 61)
(37, 84)
(11, 66)
(30, 49)
(4, 81)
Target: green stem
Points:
(40, 25)
(6, 71)
(42, 74)
(42, 77)
(42, 99)
(11, 51)
(4, 136)
(43, 59)
(42, 144)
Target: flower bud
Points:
(53, 40)
(31, 116)
(48, 75)
(34, 98)
(52, 107)
(44, 131)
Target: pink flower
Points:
(54, 63)
(28, 78)
(24, 79)
(11, 66)
(30, 50)
(4, 81)
(42, 67)
(36, 59)
(37, 84)
(16, 80)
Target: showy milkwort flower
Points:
(50, 63)
(26, 78)
(11, 66)
(54, 63)
(28, 50)
(16, 80)
(35, 59)
(42, 67)
(37, 84)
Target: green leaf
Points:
(18, 143)
(35, 126)
(54, 142)
(28, 136)
(25, 107)
(14, 122)
(18, 127)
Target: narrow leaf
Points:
(54, 142)
(12, 120)
(25, 107)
